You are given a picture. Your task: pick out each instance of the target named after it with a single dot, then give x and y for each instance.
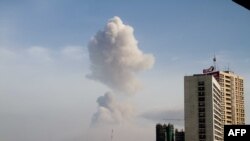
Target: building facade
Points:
(203, 109)
(232, 91)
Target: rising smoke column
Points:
(115, 60)
(115, 57)
(110, 111)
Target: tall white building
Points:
(232, 92)
(203, 109)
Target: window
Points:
(201, 109)
(201, 93)
(201, 98)
(201, 115)
(201, 103)
(202, 131)
(201, 120)
(201, 88)
(201, 125)
(201, 83)
(202, 136)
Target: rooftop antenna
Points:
(112, 132)
(214, 60)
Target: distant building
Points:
(160, 133)
(164, 132)
(179, 135)
(203, 109)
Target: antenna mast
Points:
(112, 131)
(214, 60)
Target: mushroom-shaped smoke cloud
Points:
(115, 57)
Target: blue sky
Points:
(44, 58)
(171, 27)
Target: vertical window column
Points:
(201, 111)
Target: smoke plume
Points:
(115, 57)
(110, 111)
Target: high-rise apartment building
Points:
(232, 92)
(203, 109)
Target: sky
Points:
(45, 91)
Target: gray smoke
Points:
(110, 111)
(115, 60)
(115, 57)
